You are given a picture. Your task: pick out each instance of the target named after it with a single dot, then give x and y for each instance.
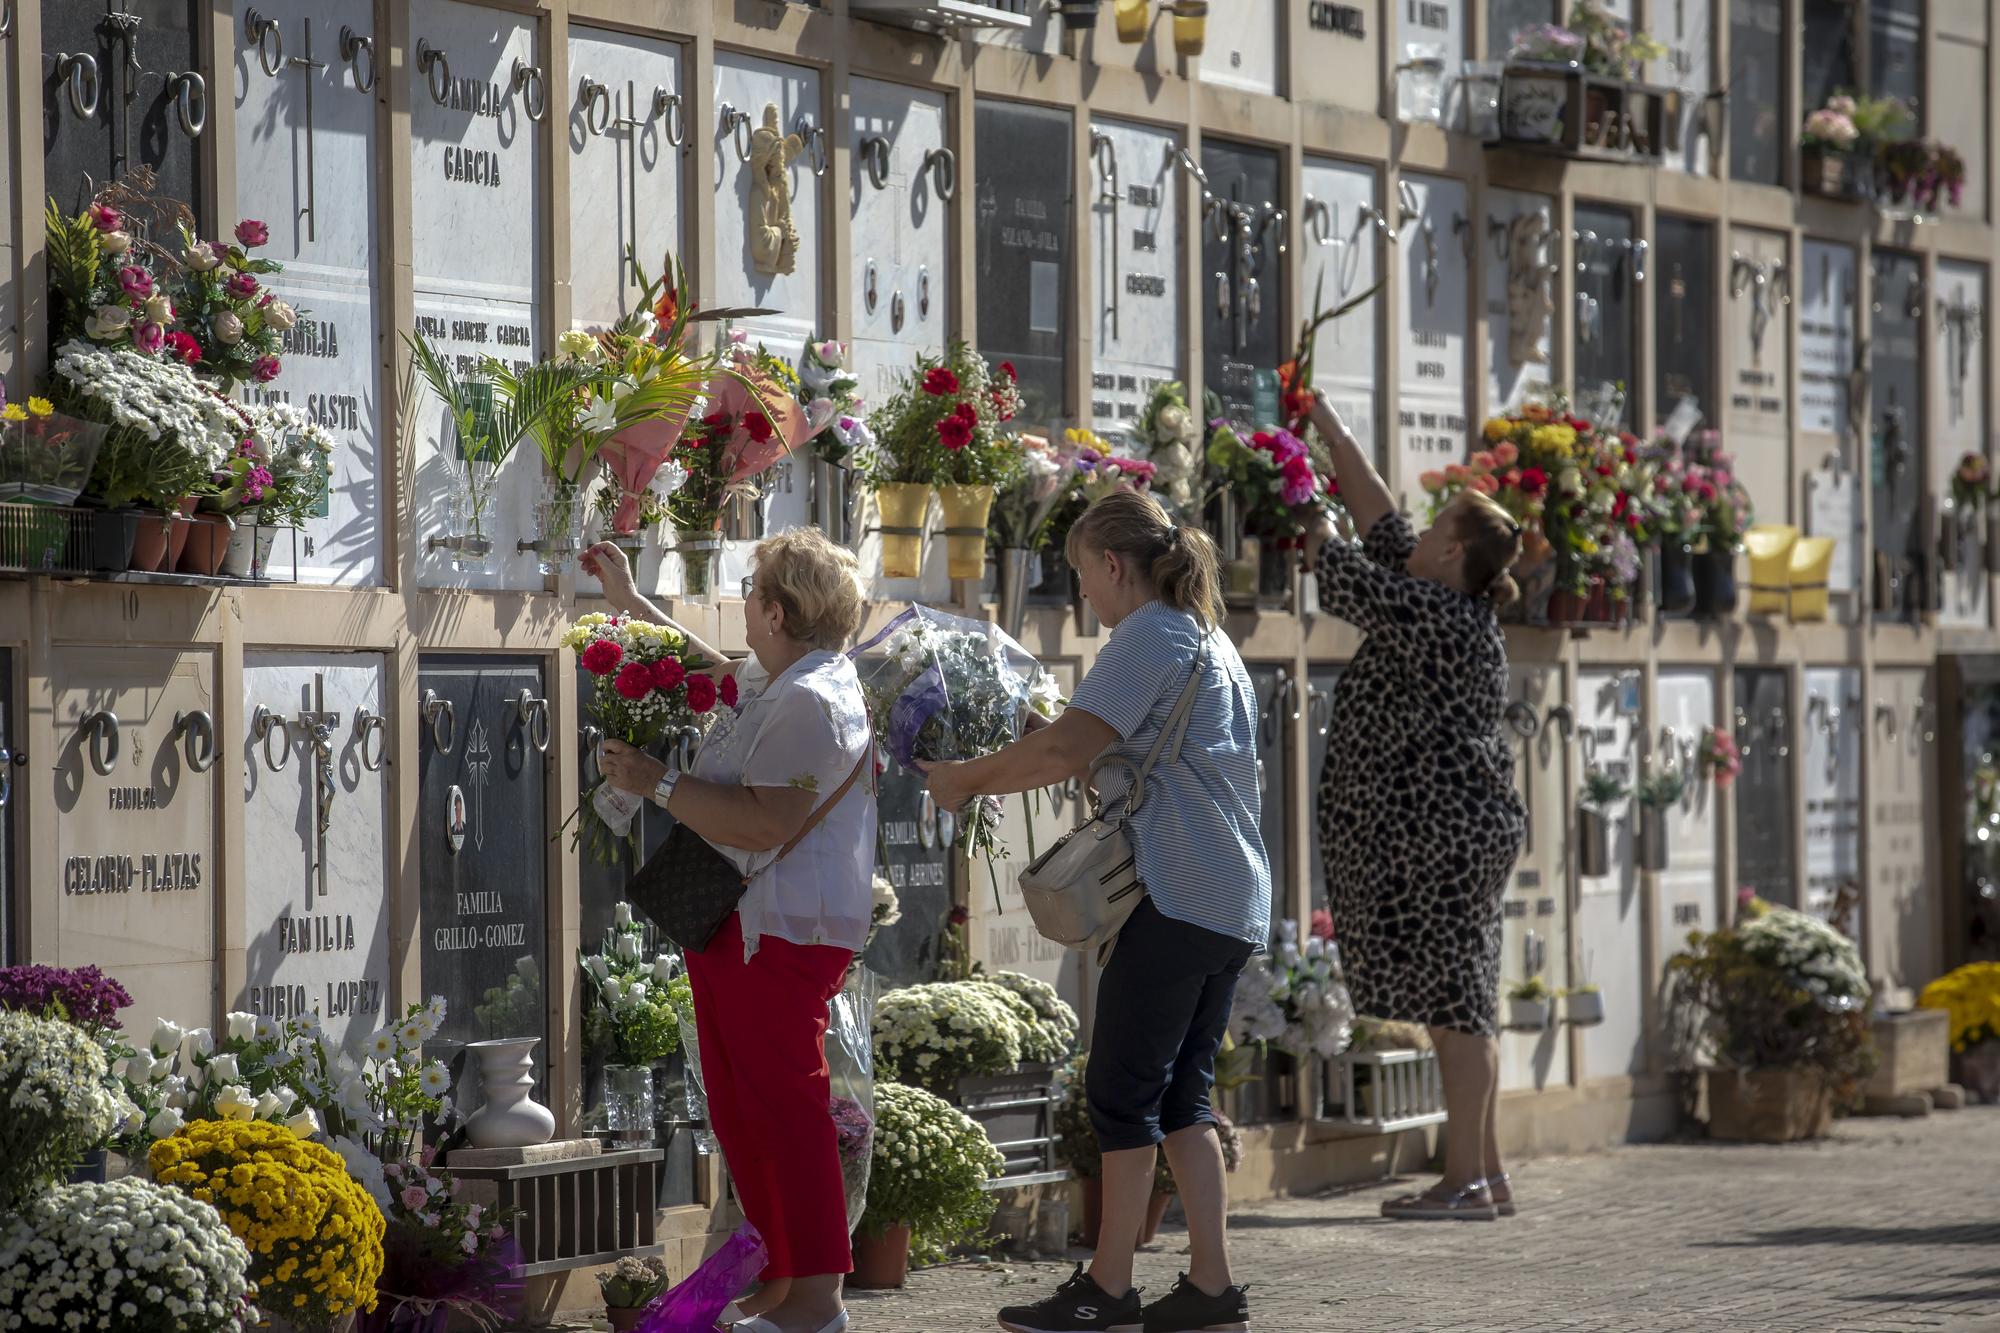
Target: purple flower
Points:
(265, 370)
(135, 282)
(241, 285)
(84, 995)
(149, 338)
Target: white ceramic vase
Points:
(509, 1118)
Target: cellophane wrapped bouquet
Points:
(1294, 998)
(647, 685)
(943, 687)
(850, 1059)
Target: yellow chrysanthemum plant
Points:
(313, 1232)
(1971, 995)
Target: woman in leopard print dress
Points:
(1419, 820)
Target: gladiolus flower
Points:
(252, 233)
(701, 693)
(602, 657)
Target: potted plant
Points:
(1656, 794)
(1583, 1006)
(629, 1287)
(1529, 1004)
(1601, 791)
(1971, 995)
(926, 1185)
(1709, 480)
(942, 430)
(295, 458)
(1777, 1007)
(45, 462)
(441, 1256)
(1922, 171)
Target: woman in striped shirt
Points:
(1165, 997)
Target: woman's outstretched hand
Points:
(947, 784)
(607, 564)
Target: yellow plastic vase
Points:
(1190, 27)
(903, 506)
(1812, 563)
(1769, 546)
(1133, 18)
(966, 510)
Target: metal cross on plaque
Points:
(268, 38)
(318, 725)
(1961, 320)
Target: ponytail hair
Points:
(1181, 561)
(1492, 541)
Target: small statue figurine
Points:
(774, 241)
(1529, 305)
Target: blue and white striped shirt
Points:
(1196, 835)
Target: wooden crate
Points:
(1382, 1092)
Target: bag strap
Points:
(1174, 730)
(825, 808)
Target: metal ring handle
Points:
(1282, 687)
(1319, 703)
(370, 725)
(1563, 719)
(263, 725)
(670, 106)
(1521, 719)
(1885, 716)
(942, 163)
(102, 731)
(927, 817)
(6, 31)
(896, 312)
(947, 828)
(75, 68)
(736, 123)
(190, 726)
(189, 88)
(352, 44)
(1670, 748)
(923, 291)
(592, 738)
(270, 40)
(1320, 222)
(868, 287)
(594, 97)
(813, 137)
(435, 708)
(875, 160)
(528, 76)
(534, 714)
(436, 67)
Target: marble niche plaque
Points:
(10, 315)
(135, 824)
(122, 109)
(1898, 433)
(1520, 290)
(1244, 52)
(1958, 425)
(1532, 942)
(316, 910)
(1024, 202)
(1341, 213)
(902, 178)
(1827, 307)
(1611, 918)
(1757, 418)
(1832, 773)
(1903, 932)
(1341, 46)
(476, 178)
(919, 864)
(1684, 704)
(482, 848)
(306, 144)
(1684, 326)
(1431, 425)
(1687, 29)
(1136, 252)
(1962, 121)
(1763, 815)
(1243, 272)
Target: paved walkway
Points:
(1890, 1227)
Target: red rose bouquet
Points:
(648, 686)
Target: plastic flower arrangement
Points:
(441, 1253)
(230, 327)
(832, 399)
(150, 1260)
(1922, 171)
(1971, 994)
(753, 420)
(943, 425)
(1658, 791)
(930, 1166)
(1170, 433)
(646, 685)
(1270, 474)
(1101, 471)
(1779, 990)
(945, 687)
(1831, 127)
(314, 1234)
(1602, 790)
(932, 1035)
(1971, 481)
(102, 283)
(1594, 37)
(637, 1006)
(513, 1007)
(1053, 1034)
(1720, 758)
(81, 995)
(1047, 476)
(1294, 998)
(57, 1102)
(168, 432)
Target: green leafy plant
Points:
(1534, 988)
(1601, 790)
(1660, 790)
(933, 1035)
(633, 1282)
(928, 1172)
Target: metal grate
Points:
(48, 539)
(97, 543)
(579, 1213)
(1382, 1092)
(1017, 1111)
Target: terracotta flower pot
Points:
(1566, 607)
(150, 541)
(1768, 1105)
(966, 510)
(206, 546)
(881, 1262)
(178, 529)
(902, 506)
(624, 1317)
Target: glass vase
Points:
(558, 528)
(465, 538)
(699, 552)
(628, 1101)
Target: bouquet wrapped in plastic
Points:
(850, 1058)
(943, 687)
(699, 1300)
(1295, 998)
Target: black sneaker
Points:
(1079, 1306)
(1188, 1309)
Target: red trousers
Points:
(762, 1026)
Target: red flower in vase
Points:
(602, 658)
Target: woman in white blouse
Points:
(792, 736)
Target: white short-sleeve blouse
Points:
(805, 729)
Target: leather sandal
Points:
(1471, 1204)
(1505, 1207)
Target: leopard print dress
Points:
(1419, 820)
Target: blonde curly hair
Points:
(816, 583)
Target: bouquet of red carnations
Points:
(648, 686)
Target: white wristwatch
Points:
(663, 790)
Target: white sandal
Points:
(1471, 1204)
